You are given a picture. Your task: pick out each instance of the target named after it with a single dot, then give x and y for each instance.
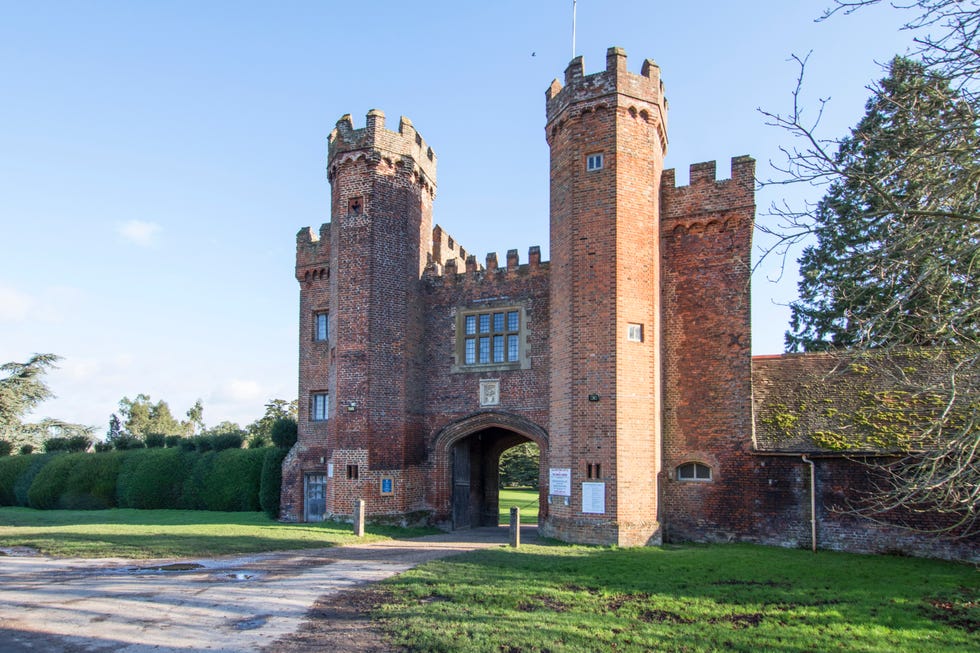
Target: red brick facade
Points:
(626, 358)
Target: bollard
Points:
(359, 518)
(515, 526)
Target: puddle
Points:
(177, 566)
(250, 623)
(240, 575)
(18, 551)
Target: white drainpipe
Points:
(813, 501)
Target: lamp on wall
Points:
(351, 406)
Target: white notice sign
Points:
(594, 498)
(560, 482)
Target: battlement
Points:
(615, 85)
(445, 249)
(312, 250)
(405, 144)
(455, 269)
(705, 193)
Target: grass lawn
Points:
(170, 533)
(524, 498)
(682, 598)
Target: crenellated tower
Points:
(362, 319)
(608, 137)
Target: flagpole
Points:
(574, 3)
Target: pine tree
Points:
(892, 264)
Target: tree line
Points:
(139, 423)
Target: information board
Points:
(560, 482)
(594, 498)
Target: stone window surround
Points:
(523, 361)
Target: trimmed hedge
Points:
(271, 483)
(158, 478)
(11, 469)
(50, 482)
(23, 483)
(152, 478)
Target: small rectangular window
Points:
(634, 333)
(512, 321)
(593, 162)
(470, 351)
(485, 323)
(485, 349)
(352, 472)
(320, 326)
(512, 349)
(470, 325)
(319, 407)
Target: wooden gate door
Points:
(461, 486)
(316, 497)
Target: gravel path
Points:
(308, 600)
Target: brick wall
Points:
(706, 231)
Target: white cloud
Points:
(239, 390)
(50, 304)
(138, 232)
(14, 305)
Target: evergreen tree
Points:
(890, 265)
(897, 254)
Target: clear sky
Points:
(158, 158)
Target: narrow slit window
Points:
(320, 327)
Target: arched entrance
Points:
(471, 448)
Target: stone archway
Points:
(468, 451)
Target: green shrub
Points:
(173, 440)
(78, 443)
(11, 468)
(52, 445)
(284, 432)
(102, 447)
(222, 441)
(270, 485)
(5, 448)
(195, 480)
(155, 440)
(22, 485)
(232, 481)
(49, 484)
(126, 442)
(91, 483)
(152, 479)
(26, 449)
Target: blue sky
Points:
(158, 158)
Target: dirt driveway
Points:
(217, 604)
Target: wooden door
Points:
(462, 517)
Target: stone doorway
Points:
(476, 475)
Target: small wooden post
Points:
(359, 518)
(515, 526)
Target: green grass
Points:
(683, 598)
(523, 497)
(170, 533)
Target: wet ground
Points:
(216, 604)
